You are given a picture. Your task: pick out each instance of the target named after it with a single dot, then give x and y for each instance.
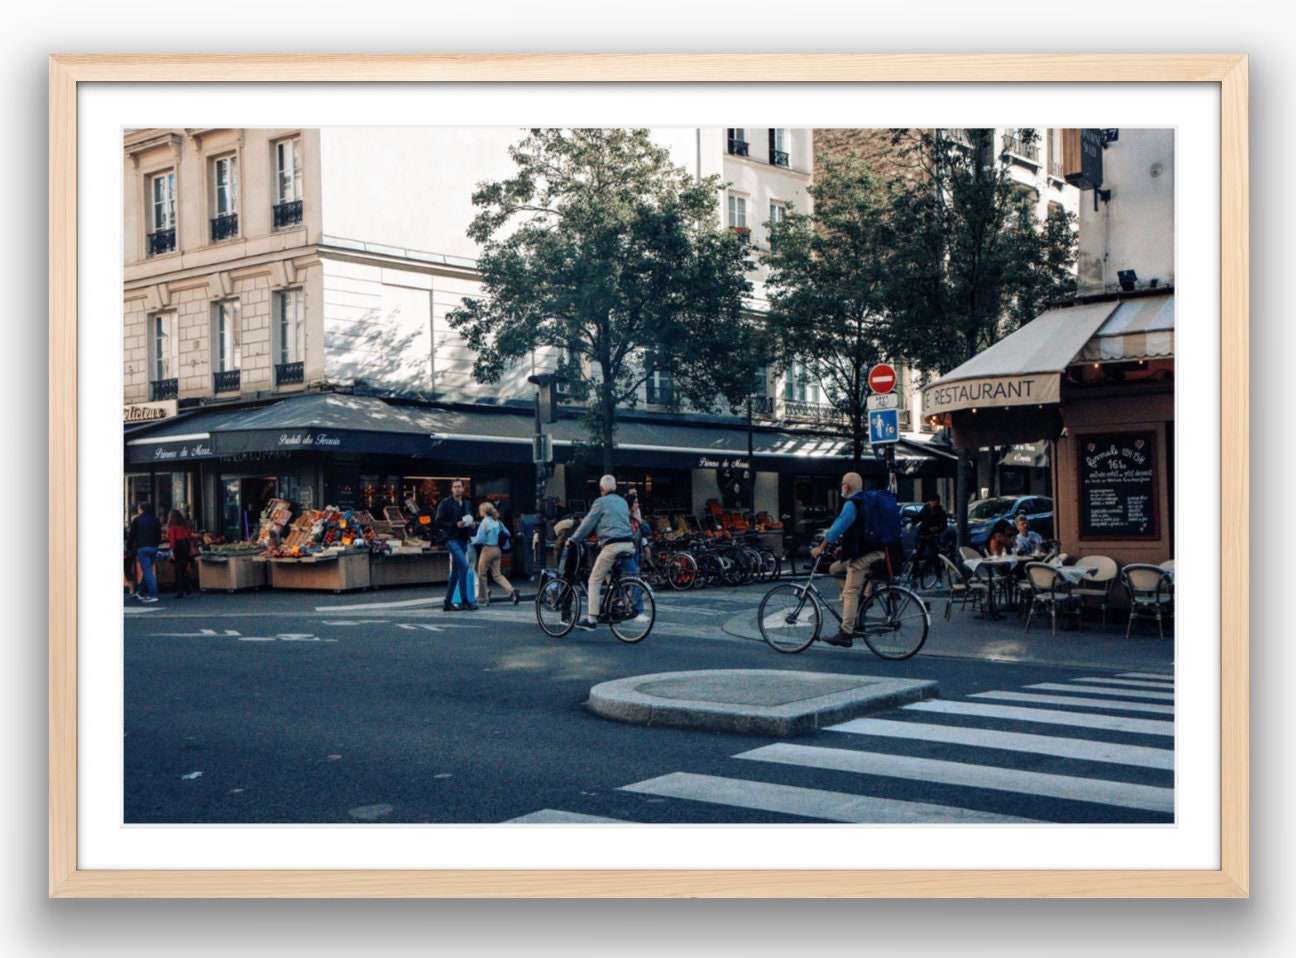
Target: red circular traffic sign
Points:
(882, 378)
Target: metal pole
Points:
(751, 469)
(538, 544)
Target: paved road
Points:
(301, 707)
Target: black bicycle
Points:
(892, 620)
(922, 569)
(627, 605)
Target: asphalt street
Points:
(289, 707)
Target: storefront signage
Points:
(1024, 390)
(190, 450)
(136, 413)
(309, 440)
(706, 462)
(1117, 480)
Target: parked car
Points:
(984, 513)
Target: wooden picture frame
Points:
(1229, 73)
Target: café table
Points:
(1001, 566)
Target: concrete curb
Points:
(767, 702)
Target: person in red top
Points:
(180, 537)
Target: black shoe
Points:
(587, 625)
(451, 607)
(517, 596)
(470, 608)
(841, 639)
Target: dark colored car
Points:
(984, 513)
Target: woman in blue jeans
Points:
(454, 519)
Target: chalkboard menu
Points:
(1118, 486)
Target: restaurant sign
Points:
(1028, 389)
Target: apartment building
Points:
(285, 304)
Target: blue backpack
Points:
(505, 540)
(877, 522)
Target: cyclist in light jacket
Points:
(609, 519)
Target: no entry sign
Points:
(882, 378)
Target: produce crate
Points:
(232, 573)
(409, 568)
(335, 572)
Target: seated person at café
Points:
(1028, 542)
(1000, 542)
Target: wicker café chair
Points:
(1151, 594)
(1097, 585)
(962, 585)
(1049, 590)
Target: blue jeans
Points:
(147, 556)
(630, 566)
(458, 573)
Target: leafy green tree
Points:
(828, 286)
(971, 262)
(602, 250)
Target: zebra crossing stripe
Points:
(1075, 700)
(1132, 693)
(1133, 683)
(1115, 723)
(553, 816)
(810, 802)
(927, 771)
(1077, 748)
(1146, 675)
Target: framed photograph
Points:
(99, 849)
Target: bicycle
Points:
(558, 602)
(922, 570)
(892, 620)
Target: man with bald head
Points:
(858, 551)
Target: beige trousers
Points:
(602, 566)
(488, 563)
(856, 572)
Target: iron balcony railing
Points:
(224, 227)
(160, 389)
(162, 241)
(1015, 144)
(738, 147)
(779, 158)
(287, 214)
(226, 381)
(289, 374)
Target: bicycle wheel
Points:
(771, 565)
(681, 571)
(923, 574)
(789, 618)
(893, 622)
(632, 611)
(558, 607)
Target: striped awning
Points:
(1139, 329)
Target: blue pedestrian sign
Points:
(884, 426)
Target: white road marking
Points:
(1132, 683)
(1076, 701)
(552, 816)
(1116, 723)
(927, 771)
(1077, 748)
(808, 802)
(1099, 690)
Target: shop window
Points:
(161, 213)
(288, 183)
(224, 198)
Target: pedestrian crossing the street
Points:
(1094, 749)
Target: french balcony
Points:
(161, 241)
(779, 158)
(290, 374)
(738, 147)
(160, 389)
(287, 214)
(1016, 146)
(815, 412)
(224, 227)
(226, 381)
(743, 233)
